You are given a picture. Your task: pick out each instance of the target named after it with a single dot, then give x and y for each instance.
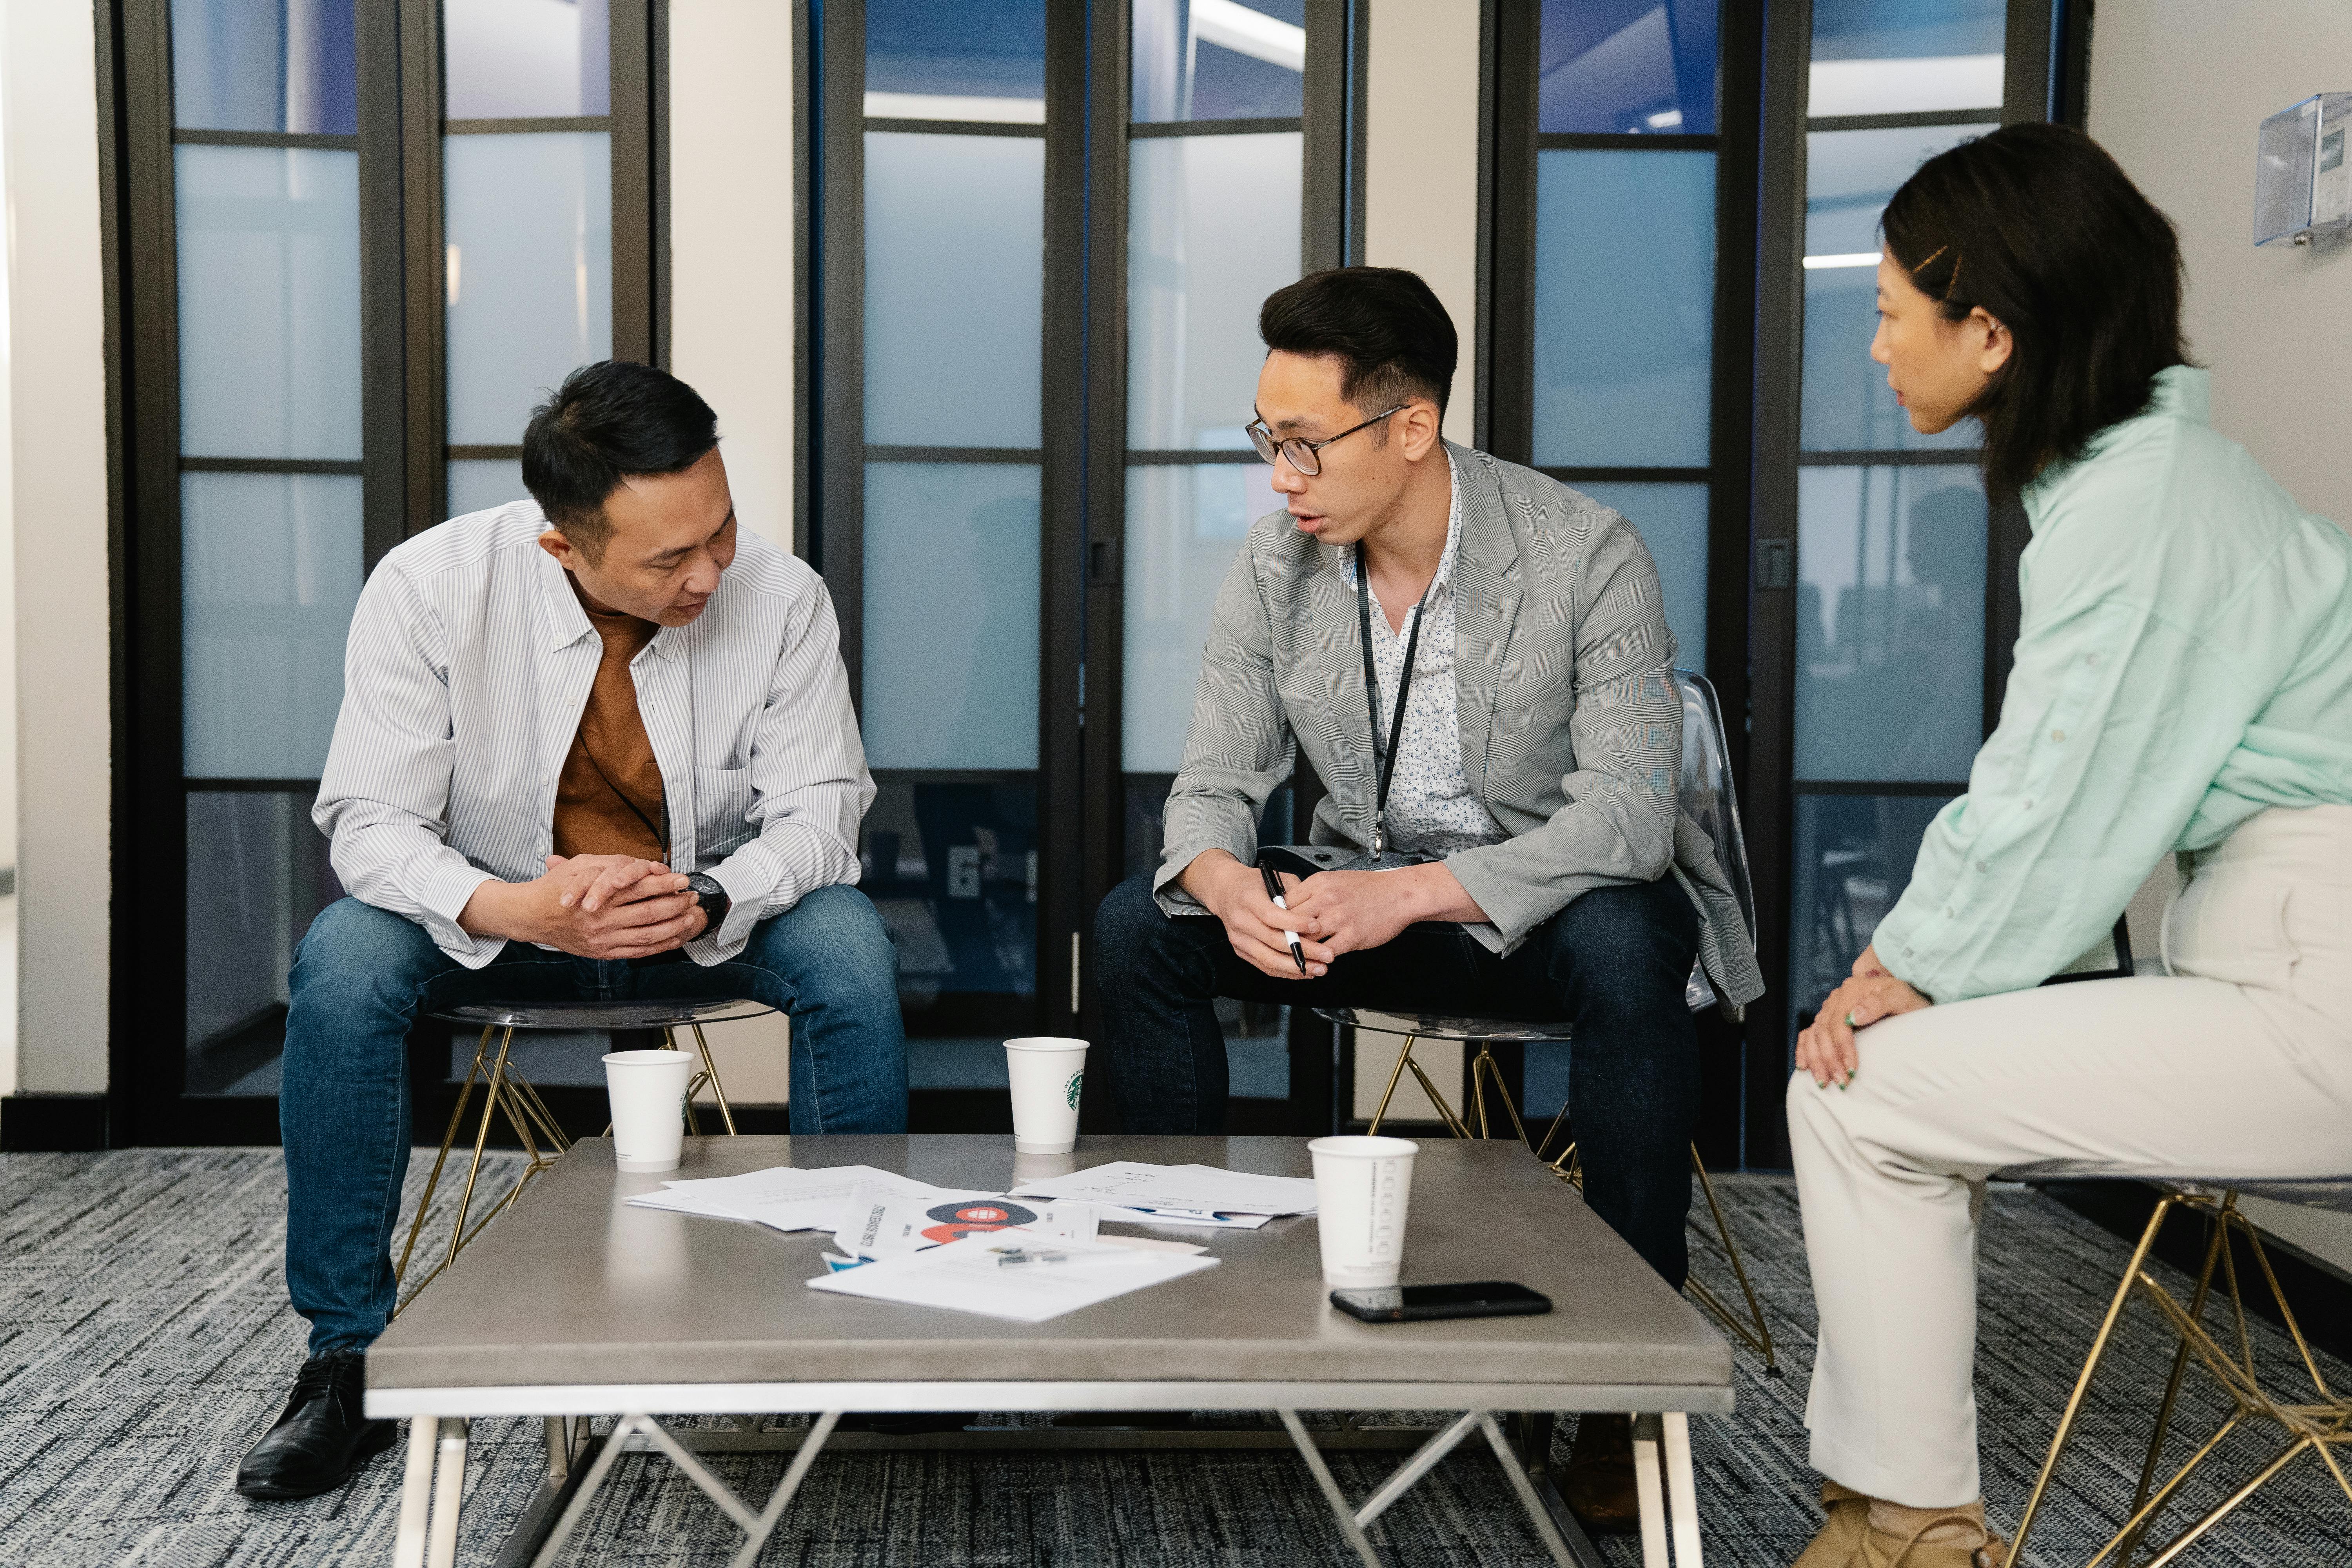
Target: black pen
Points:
(1274, 891)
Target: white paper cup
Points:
(1363, 1186)
(649, 1093)
(1048, 1072)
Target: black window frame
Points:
(402, 472)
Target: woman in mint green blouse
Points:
(2182, 685)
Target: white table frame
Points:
(433, 1490)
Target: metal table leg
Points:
(756, 1527)
(415, 1494)
(1355, 1522)
(1682, 1488)
(1646, 1443)
(449, 1495)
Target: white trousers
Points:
(2238, 1066)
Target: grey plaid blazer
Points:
(1571, 729)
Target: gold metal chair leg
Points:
(1454, 1124)
(717, 1090)
(1484, 1069)
(433, 1181)
(2090, 1368)
(481, 1140)
(2128, 1540)
(693, 1122)
(1396, 1072)
(1761, 1342)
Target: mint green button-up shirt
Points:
(2184, 660)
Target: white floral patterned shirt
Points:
(1430, 810)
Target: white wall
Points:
(1421, 164)
(2178, 87)
(731, 294)
(57, 429)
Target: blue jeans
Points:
(362, 976)
(1616, 961)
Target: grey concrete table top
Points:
(571, 1287)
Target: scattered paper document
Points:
(1151, 1244)
(1130, 1183)
(1199, 1219)
(783, 1197)
(1022, 1277)
(877, 1223)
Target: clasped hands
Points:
(1826, 1048)
(591, 906)
(1332, 911)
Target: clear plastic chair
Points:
(507, 1091)
(1708, 797)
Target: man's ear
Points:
(1420, 433)
(555, 545)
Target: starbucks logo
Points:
(1070, 1090)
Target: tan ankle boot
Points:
(1960, 1541)
(1841, 1534)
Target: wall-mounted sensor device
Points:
(2303, 184)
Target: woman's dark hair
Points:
(609, 421)
(1391, 338)
(2038, 226)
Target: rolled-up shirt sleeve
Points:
(384, 796)
(809, 781)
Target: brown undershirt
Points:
(608, 800)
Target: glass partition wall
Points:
(357, 239)
(1044, 232)
(1886, 597)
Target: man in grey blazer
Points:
(1534, 772)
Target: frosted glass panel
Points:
(1673, 523)
(955, 280)
(976, 60)
(1890, 623)
(1624, 307)
(1850, 177)
(951, 608)
(1874, 57)
(1855, 855)
(1218, 59)
(286, 65)
(518, 59)
(257, 875)
(478, 484)
(1627, 67)
(269, 569)
(528, 224)
(269, 301)
(1184, 526)
(1212, 229)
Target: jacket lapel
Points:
(1339, 649)
(1486, 605)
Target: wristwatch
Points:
(711, 896)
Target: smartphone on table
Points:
(1414, 1303)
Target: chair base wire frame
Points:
(1754, 1331)
(2322, 1426)
(507, 1092)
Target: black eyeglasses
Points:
(1302, 452)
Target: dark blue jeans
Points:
(1616, 961)
(362, 976)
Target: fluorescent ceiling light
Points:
(1232, 26)
(946, 106)
(1665, 120)
(1850, 259)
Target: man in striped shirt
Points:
(593, 746)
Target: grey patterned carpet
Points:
(145, 1341)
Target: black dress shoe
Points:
(1598, 1484)
(321, 1436)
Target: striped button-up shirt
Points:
(468, 664)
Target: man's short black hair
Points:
(608, 421)
(1391, 338)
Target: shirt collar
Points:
(1443, 581)
(2183, 392)
(564, 622)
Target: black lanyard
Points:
(1384, 759)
